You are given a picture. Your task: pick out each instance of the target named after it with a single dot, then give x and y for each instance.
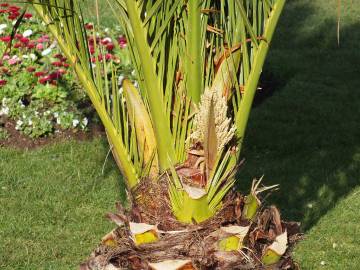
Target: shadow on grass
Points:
(306, 137)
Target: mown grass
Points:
(53, 202)
(305, 137)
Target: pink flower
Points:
(14, 60)
(105, 41)
(122, 41)
(39, 46)
(62, 71)
(108, 56)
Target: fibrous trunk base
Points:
(198, 243)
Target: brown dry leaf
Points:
(275, 216)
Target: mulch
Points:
(18, 140)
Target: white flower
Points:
(30, 122)
(32, 56)
(21, 104)
(4, 110)
(19, 123)
(27, 33)
(120, 80)
(25, 56)
(106, 30)
(36, 113)
(46, 52)
(93, 65)
(56, 114)
(75, 122)
(85, 121)
(58, 121)
(53, 45)
(121, 90)
(3, 26)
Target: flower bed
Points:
(38, 90)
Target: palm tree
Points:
(177, 138)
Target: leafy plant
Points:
(35, 78)
(178, 136)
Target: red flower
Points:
(4, 5)
(3, 10)
(105, 41)
(24, 40)
(17, 45)
(44, 79)
(58, 55)
(31, 45)
(27, 15)
(5, 39)
(18, 36)
(39, 73)
(110, 47)
(2, 82)
(92, 50)
(30, 69)
(66, 65)
(55, 75)
(13, 16)
(14, 8)
(57, 64)
(89, 26)
(53, 82)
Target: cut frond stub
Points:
(274, 252)
(172, 265)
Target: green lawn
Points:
(305, 137)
